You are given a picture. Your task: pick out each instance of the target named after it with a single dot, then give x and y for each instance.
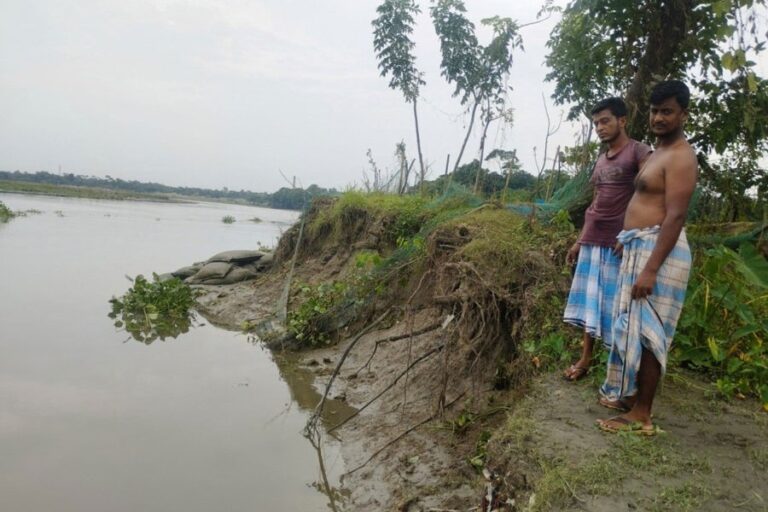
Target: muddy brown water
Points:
(91, 420)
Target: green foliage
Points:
(478, 459)
(461, 52)
(726, 191)
(228, 219)
(401, 216)
(493, 184)
(156, 309)
(394, 48)
(308, 323)
(5, 213)
(478, 72)
(619, 48)
(724, 325)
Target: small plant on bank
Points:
(309, 322)
(228, 219)
(157, 309)
(6, 213)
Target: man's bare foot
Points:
(576, 371)
(630, 423)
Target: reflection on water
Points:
(89, 423)
(300, 382)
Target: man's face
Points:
(607, 125)
(667, 117)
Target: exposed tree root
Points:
(397, 337)
(402, 435)
(390, 385)
(311, 427)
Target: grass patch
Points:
(228, 219)
(602, 474)
(683, 498)
(48, 189)
(759, 458)
(400, 216)
(559, 482)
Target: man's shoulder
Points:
(685, 155)
(640, 147)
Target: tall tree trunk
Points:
(666, 33)
(418, 145)
(486, 123)
(506, 187)
(466, 137)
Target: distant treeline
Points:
(285, 198)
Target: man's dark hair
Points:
(616, 105)
(671, 89)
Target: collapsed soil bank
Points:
(442, 381)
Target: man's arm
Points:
(679, 184)
(573, 253)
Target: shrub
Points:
(228, 219)
(309, 322)
(724, 325)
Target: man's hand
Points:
(618, 249)
(573, 254)
(644, 284)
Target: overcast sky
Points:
(227, 93)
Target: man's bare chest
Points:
(650, 179)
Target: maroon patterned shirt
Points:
(614, 182)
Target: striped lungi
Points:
(649, 322)
(590, 302)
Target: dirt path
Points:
(712, 457)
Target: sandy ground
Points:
(713, 456)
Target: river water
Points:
(91, 420)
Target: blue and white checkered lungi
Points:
(649, 322)
(590, 302)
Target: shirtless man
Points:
(655, 265)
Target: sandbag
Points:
(210, 271)
(265, 261)
(236, 275)
(236, 256)
(185, 272)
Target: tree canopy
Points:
(621, 48)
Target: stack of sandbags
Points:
(226, 268)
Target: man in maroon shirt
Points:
(590, 302)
